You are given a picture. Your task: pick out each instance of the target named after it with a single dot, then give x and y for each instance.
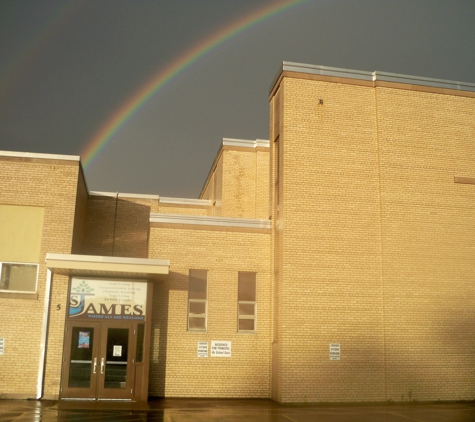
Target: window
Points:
(247, 306)
(197, 300)
(16, 277)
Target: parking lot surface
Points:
(210, 410)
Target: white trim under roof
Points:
(107, 266)
(34, 155)
(244, 143)
(248, 223)
(185, 201)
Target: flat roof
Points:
(369, 76)
(36, 155)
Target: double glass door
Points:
(98, 361)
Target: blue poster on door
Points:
(84, 337)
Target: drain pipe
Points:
(44, 334)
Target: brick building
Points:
(335, 262)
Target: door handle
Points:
(95, 366)
(102, 365)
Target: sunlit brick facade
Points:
(333, 263)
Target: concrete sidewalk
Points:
(210, 410)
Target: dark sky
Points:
(66, 67)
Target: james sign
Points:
(107, 299)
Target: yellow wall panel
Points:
(20, 233)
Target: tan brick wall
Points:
(262, 185)
(428, 243)
(175, 369)
(376, 248)
(80, 218)
(117, 227)
(329, 265)
(100, 224)
(245, 185)
(51, 184)
(238, 186)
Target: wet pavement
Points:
(210, 410)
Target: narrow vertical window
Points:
(247, 306)
(197, 300)
(139, 348)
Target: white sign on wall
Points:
(334, 351)
(202, 349)
(2, 346)
(221, 349)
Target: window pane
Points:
(196, 323)
(18, 277)
(246, 309)
(116, 358)
(198, 308)
(246, 325)
(247, 287)
(80, 368)
(197, 295)
(197, 284)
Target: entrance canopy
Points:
(108, 266)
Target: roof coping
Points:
(36, 155)
(370, 76)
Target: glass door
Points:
(116, 373)
(80, 361)
(98, 361)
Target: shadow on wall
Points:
(433, 359)
(161, 321)
(426, 354)
(117, 227)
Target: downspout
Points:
(44, 334)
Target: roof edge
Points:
(232, 142)
(41, 156)
(197, 220)
(370, 76)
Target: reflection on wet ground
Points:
(209, 410)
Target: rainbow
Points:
(122, 115)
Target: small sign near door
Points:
(334, 351)
(221, 349)
(117, 351)
(202, 349)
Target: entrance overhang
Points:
(108, 266)
(137, 275)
